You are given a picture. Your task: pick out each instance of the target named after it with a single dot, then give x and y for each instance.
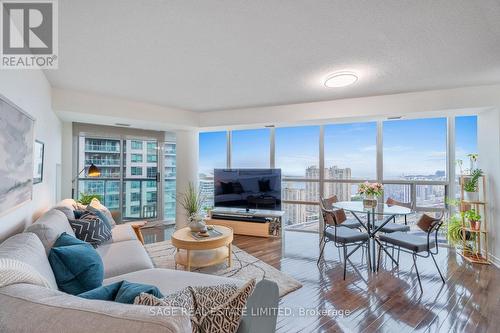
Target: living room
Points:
(249, 166)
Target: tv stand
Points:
(250, 222)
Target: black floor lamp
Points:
(93, 171)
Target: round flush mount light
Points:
(340, 79)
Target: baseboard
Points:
(494, 260)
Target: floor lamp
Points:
(93, 171)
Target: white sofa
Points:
(31, 308)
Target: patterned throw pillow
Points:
(212, 309)
(91, 229)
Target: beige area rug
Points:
(245, 267)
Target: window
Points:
(465, 141)
(415, 149)
(297, 151)
(136, 158)
(136, 145)
(135, 196)
(152, 158)
(212, 155)
(351, 151)
(136, 171)
(212, 152)
(151, 172)
(250, 148)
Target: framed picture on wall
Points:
(16, 151)
(38, 150)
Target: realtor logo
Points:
(29, 34)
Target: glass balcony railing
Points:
(105, 162)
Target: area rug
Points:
(245, 267)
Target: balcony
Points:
(102, 148)
(105, 162)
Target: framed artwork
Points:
(38, 151)
(16, 151)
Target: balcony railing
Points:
(105, 162)
(102, 148)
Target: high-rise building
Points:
(342, 190)
(140, 172)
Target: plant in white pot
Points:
(471, 187)
(192, 201)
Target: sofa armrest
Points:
(262, 309)
(29, 308)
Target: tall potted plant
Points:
(192, 201)
(471, 187)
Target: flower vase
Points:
(369, 201)
(196, 223)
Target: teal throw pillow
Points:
(76, 265)
(123, 292)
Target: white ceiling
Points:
(222, 54)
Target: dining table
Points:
(380, 212)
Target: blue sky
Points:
(410, 147)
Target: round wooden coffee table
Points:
(192, 252)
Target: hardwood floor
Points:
(387, 301)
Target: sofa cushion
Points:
(28, 308)
(76, 265)
(49, 227)
(91, 229)
(122, 292)
(97, 205)
(27, 248)
(67, 206)
(170, 281)
(123, 232)
(124, 257)
(101, 215)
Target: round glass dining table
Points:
(383, 211)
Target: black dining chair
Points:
(417, 246)
(342, 237)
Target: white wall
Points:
(489, 161)
(30, 90)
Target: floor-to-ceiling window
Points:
(212, 155)
(415, 161)
(250, 148)
(130, 180)
(466, 144)
(297, 155)
(350, 157)
(408, 155)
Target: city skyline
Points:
(417, 146)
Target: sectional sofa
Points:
(32, 308)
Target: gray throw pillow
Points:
(91, 229)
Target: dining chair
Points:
(349, 222)
(342, 237)
(391, 202)
(417, 246)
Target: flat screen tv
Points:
(247, 188)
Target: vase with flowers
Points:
(370, 193)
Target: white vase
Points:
(471, 196)
(196, 223)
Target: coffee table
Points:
(192, 252)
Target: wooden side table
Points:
(192, 252)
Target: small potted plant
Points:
(472, 161)
(370, 193)
(474, 219)
(192, 202)
(471, 187)
(86, 198)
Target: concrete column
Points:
(187, 169)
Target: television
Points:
(247, 188)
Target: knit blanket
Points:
(13, 271)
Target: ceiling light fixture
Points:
(340, 79)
